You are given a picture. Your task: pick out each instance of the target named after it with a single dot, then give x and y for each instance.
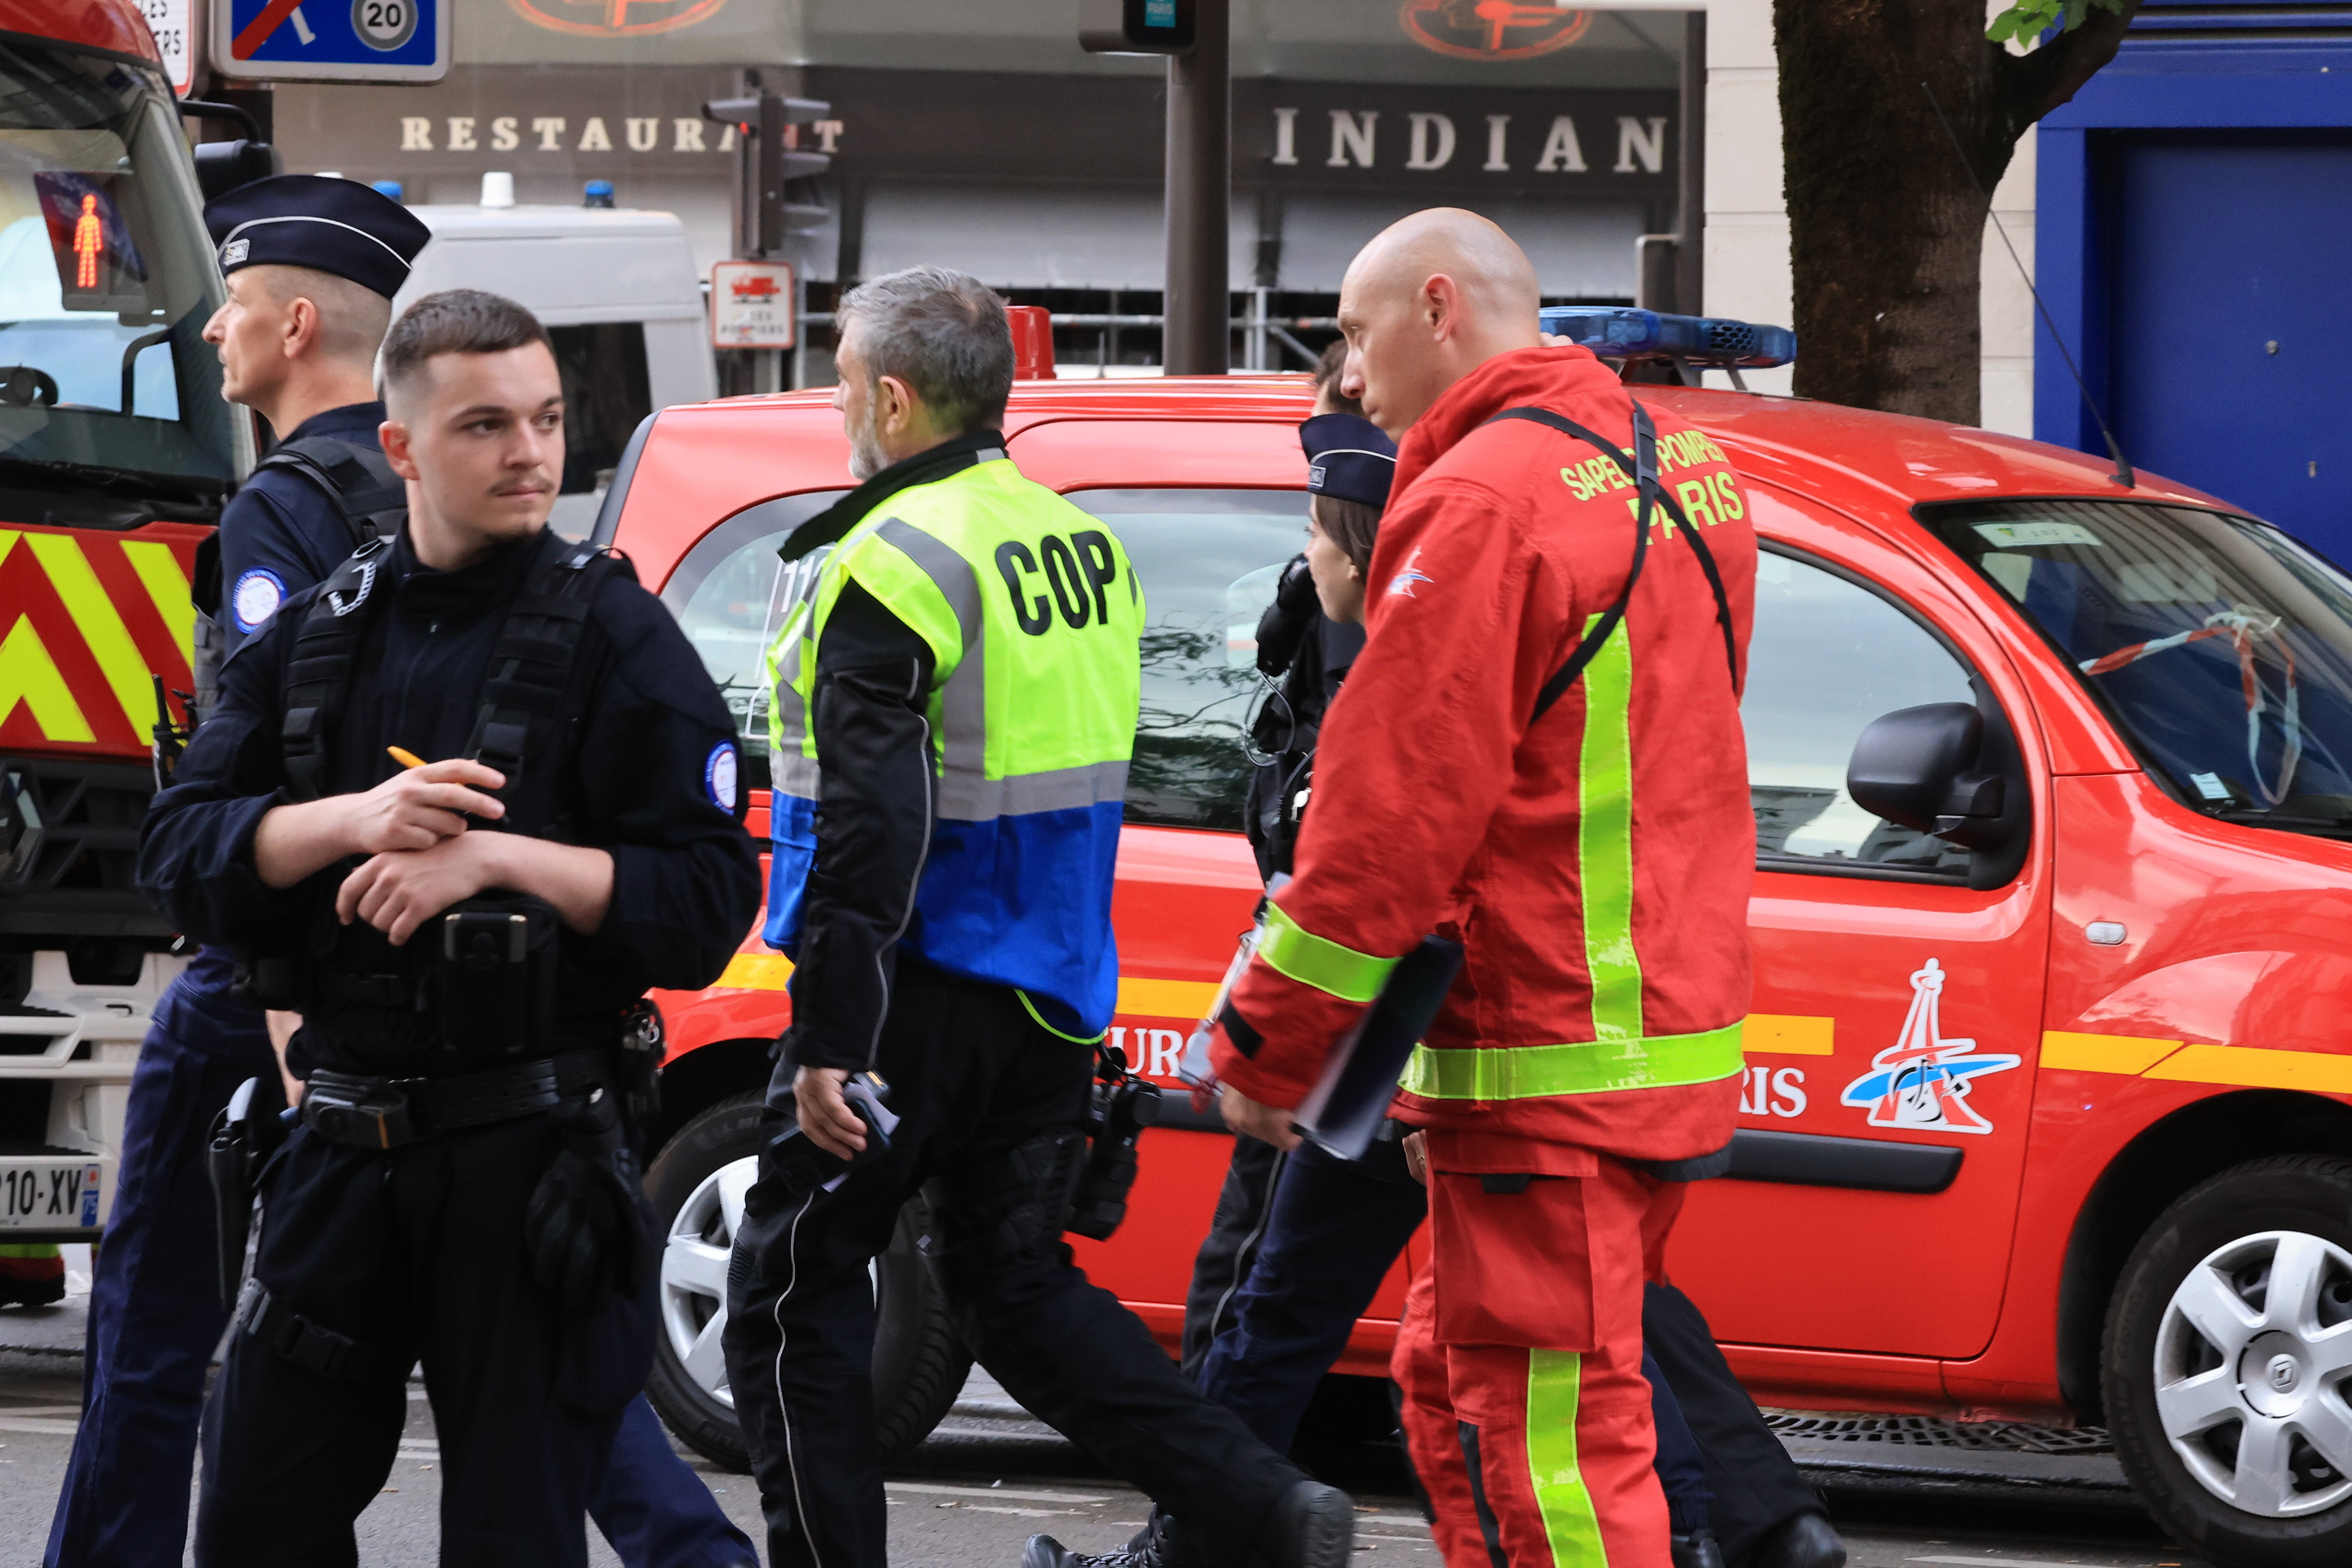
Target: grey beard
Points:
(866, 458)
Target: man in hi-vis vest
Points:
(954, 695)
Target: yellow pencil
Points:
(406, 759)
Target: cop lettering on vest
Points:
(1078, 572)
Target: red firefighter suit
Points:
(1595, 865)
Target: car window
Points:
(2219, 645)
(1208, 561)
(1827, 657)
(605, 394)
(729, 594)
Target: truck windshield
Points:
(2221, 646)
(107, 391)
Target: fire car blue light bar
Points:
(1621, 333)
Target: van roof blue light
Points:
(1704, 342)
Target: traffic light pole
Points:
(1195, 339)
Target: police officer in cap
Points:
(311, 263)
(468, 942)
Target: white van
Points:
(619, 291)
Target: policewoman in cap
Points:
(1279, 1282)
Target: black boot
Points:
(1696, 1548)
(1149, 1548)
(1803, 1541)
(1314, 1526)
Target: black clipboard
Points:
(1344, 1110)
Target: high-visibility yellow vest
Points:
(1034, 617)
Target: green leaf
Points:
(2028, 19)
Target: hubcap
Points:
(694, 1275)
(2252, 1359)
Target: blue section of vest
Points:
(1023, 902)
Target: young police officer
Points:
(468, 942)
(954, 707)
(313, 265)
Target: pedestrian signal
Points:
(1136, 27)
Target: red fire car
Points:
(2060, 765)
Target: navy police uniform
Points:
(371, 1258)
(155, 1311)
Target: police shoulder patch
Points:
(256, 599)
(719, 776)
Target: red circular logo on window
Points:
(1488, 29)
(615, 18)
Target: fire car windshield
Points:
(106, 282)
(2221, 646)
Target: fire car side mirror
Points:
(1944, 769)
(1906, 763)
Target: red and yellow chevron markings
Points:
(87, 620)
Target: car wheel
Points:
(697, 1186)
(2228, 1364)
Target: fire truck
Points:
(116, 453)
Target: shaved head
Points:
(1430, 300)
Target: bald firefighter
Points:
(1558, 609)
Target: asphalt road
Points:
(990, 1479)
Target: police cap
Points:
(1347, 457)
(328, 225)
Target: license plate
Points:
(48, 1193)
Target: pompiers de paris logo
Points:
(1922, 1080)
(615, 18)
(1490, 29)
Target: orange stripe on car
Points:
(1789, 1035)
(2251, 1067)
(2171, 1061)
(2126, 1054)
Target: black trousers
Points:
(1755, 1484)
(990, 1107)
(416, 1252)
(1236, 1231)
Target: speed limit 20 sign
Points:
(332, 40)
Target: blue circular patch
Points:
(719, 776)
(256, 599)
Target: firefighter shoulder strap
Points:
(1642, 468)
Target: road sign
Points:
(751, 305)
(332, 40)
(174, 25)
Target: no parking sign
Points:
(332, 40)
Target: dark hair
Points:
(1327, 381)
(1351, 525)
(943, 333)
(456, 322)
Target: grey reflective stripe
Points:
(951, 572)
(963, 702)
(795, 775)
(968, 797)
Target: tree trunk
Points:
(1886, 206)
